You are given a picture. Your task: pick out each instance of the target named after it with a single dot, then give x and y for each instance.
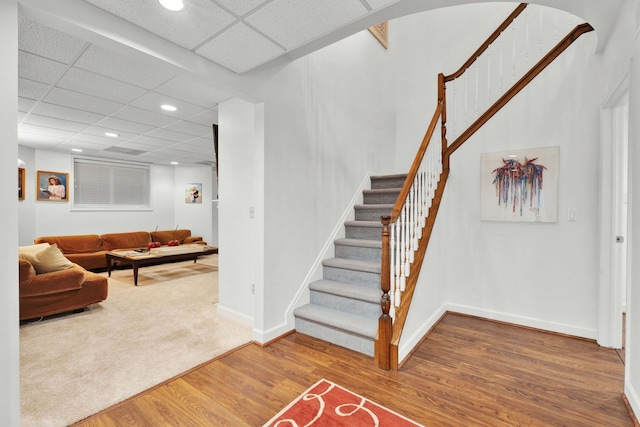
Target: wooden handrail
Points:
(519, 85)
(521, 7)
(395, 213)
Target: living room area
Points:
(75, 364)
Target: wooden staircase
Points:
(345, 305)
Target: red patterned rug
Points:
(327, 404)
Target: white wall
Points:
(540, 275)
(9, 323)
(240, 255)
(194, 216)
(328, 123)
(622, 55)
(168, 209)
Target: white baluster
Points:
(393, 285)
(466, 104)
(489, 76)
(500, 70)
(477, 88)
(513, 53)
(396, 253)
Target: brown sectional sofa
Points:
(66, 288)
(88, 250)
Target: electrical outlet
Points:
(252, 212)
(572, 215)
(253, 289)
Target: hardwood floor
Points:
(468, 372)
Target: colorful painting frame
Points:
(520, 185)
(51, 191)
(21, 183)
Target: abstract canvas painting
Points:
(520, 185)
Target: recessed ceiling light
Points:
(77, 150)
(168, 107)
(111, 134)
(174, 163)
(174, 5)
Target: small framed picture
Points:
(52, 186)
(21, 179)
(193, 193)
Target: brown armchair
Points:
(59, 291)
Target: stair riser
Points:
(367, 233)
(392, 182)
(335, 336)
(380, 198)
(359, 253)
(371, 214)
(369, 280)
(347, 305)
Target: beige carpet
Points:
(75, 365)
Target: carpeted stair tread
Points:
(352, 264)
(376, 244)
(382, 191)
(347, 290)
(370, 224)
(373, 206)
(352, 323)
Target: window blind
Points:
(105, 184)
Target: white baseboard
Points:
(407, 345)
(234, 315)
(632, 397)
(525, 321)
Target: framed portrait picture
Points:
(520, 185)
(193, 193)
(52, 186)
(21, 180)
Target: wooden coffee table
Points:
(156, 256)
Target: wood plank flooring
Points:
(468, 372)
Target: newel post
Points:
(382, 350)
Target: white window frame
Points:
(111, 167)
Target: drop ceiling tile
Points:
(60, 112)
(44, 41)
(32, 90)
(81, 101)
(138, 146)
(43, 130)
(25, 105)
(193, 92)
(240, 49)
(100, 130)
(125, 126)
(156, 142)
(54, 123)
(169, 135)
(138, 115)
(191, 128)
(40, 69)
(104, 141)
(102, 87)
(37, 140)
(153, 100)
(240, 7)
(206, 118)
(292, 23)
(198, 21)
(120, 67)
(84, 145)
(202, 142)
